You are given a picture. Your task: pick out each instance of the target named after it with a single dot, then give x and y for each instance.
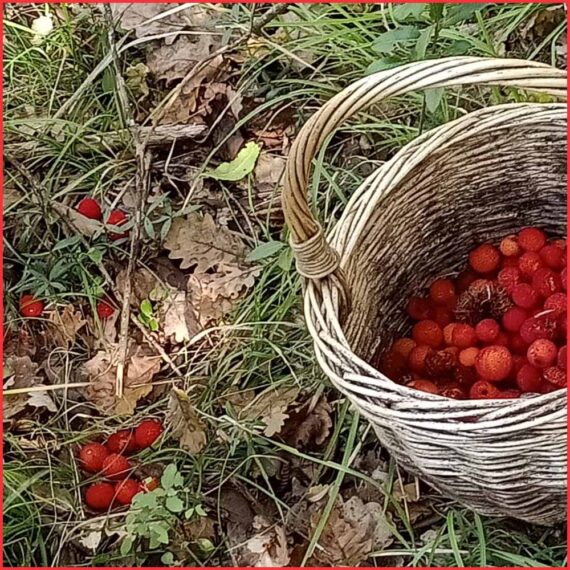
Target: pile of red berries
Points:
(496, 330)
(110, 461)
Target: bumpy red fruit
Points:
(542, 353)
(538, 327)
(485, 258)
(562, 358)
(122, 441)
(428, 332)
(117, 218)
(423, 386)
(418, 308)
(529, 262)
(463, 336)
(514, 318)
(546, 282)
(92, 455)
(552, 256)
(442, 291)
(393, 364)
(404, 346)
(442, 315)
(30, 306)
(104, 310)
(493, 363)
(483, 390)
(525, 296)
(89, 208)
(529, 379)
(468, 355)
(487, 330)
(563, 278)
(417, 358)
(116, 466)
(509, 246)
(439, 363)
(556, 376)
(517, 345)
(147, 433)
(502, 339)
(126, 490)
(556, 303)
(532, 239)
(508, 278)
(99, 496)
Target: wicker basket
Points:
(477, 178)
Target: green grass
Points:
(314, 54)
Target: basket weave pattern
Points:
(474, 179)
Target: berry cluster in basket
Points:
(109, 461)
(497, 330)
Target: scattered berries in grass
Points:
(546, 282)
(556, 376)
(442, 291)
(117, 218)
(147, 432)
(424, 386)
(493, 363)
(92, 455)
(553, 256)
(532, 239)
(428, 332)
(115, 466)
(483, 390)
(509, 246)
(485, 258)
(542, 353)
(562, 358)
(463, 336)
(417, 358)
(122, 442)
(508, 278)
(525, 296)
(30, 306)
(529, 262)
(126, 490)
(104, 310)
(529, 379)
(89, 208)
(418, 308)
(487, 330)
(99, 496)
(556, 303)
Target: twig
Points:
(271, 14)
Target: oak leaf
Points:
(185, 423)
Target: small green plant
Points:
(146, 315)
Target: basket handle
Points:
(316, 259)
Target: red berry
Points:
(525, 296)
(563, 278)
(508, 278)
(514, 318)
(418, 308)
(463, 336)
(502, 339)
(126, 490)
(529, 262)
(561, 361)
(538, 327)
(89, 208)
(147, 433)
(552, 256)
(517, 344)
(117, 218)
(92, 456)
(542, 353)
(403, 346)
(453, 391)
(428, 332)
(518, 362)
(528, 379)
(442, 291)
(555, 375)
(494, 363)
(485, 258)
(104, 310)
(546, 282)
(483, 390)
(532, 239)
(417, 358)
(509, 246)
(30, 306)
(509, 262)
(116, 466)
(99, 496)
(487, 330)
(150, 484)
(447, 333)
(393, 365)
(423, 386)
(468, 355)
(556, 303)
(122, 441)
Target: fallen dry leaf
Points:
(101, 372)
(21, 373)
(308, 426)
(178, 321)
(65, 325)
(186, 425)
(267, 548)
(85, 226)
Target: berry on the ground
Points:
(122, 441)
(104, 310)
(30, 306)
(115, 466)
(92, 455)
(117, 218)
(150, 484)
(147, 432)
(89, 208)
(99, 496)
(126, 490)
(493, 363)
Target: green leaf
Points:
(146, 500)
(387, 41)
(174, 504)
(149, 228)
(264, 250)
(127, 545)
(405, 11)
(95, 255)
(205, 545)
(285, 259)
(189, 513)
(165, 229)
(436, 12)
(242, 165)
(200, 511)
(459, 12)
(153, 325)
(67, 242)
(383, 64)
(158, 535)
(146, 308)
(423, 42)
(433, 98)
(167, 558)
(171, 478)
